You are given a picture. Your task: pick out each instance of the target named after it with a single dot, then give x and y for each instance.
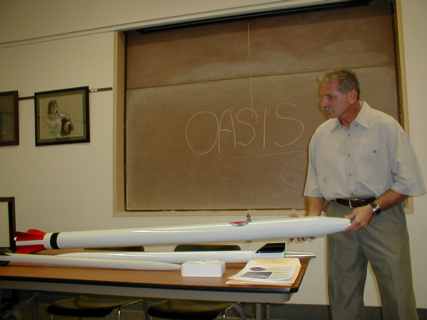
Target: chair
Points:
(93, 306)
(89, 306)
(193, 309)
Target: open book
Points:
(277, 271)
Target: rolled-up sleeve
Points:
(312, 188)
(407, 176)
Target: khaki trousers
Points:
(384, 243)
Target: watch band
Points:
(376, 209)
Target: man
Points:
(362, 166)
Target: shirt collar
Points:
(362, 118)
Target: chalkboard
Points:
(218, 117)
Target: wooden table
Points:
(149, 284)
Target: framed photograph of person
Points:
(62, 116)
(7, 224)
(9, 118)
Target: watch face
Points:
(375, 208)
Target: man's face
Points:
(332, 101)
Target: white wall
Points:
(413, 32)
(32, 19)
(47, 44)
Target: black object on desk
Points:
(273, 247)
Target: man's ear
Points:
(352, 96)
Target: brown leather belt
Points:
(354, 203)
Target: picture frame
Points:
(9, 118)
(62, 116)
(7, 224)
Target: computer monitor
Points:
(7, 225)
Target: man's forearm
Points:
(313, 206)
(390, 198)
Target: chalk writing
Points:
(243, 126)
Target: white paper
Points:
(280, 271)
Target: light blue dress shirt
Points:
(364, 160)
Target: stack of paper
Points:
(206, 268)
(279, 271)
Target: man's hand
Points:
(360, 217)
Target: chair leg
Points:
(145, 310)
(267, 311)
(238, 308)
(259, 311)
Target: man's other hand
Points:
(360, 217)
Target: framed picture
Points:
(9, 118)
(7, 224)
(62, 116)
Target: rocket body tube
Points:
(235, 256)
(77, 261)
(255, 230)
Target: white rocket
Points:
(204, 233)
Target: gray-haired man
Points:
(362, 166)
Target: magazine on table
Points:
(277, 271)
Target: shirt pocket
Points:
(372, 164)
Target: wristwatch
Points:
(376, 209)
